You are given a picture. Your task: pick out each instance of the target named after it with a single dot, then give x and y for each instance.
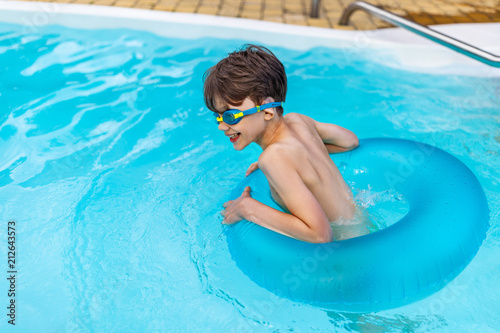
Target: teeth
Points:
(234, 135)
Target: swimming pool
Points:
(115, 173)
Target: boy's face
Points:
(249, 129)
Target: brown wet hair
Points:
(253, 71)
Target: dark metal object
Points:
(315, 8)
(424, 31)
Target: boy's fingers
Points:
(254, 166)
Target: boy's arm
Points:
(336, 139)
(307, 220)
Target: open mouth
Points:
(234, 137)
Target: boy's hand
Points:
(234, 208)
(254, 166)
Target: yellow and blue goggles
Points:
(234, 116)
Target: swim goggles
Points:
(233, 116)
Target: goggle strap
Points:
(271, 105)
(218, 118)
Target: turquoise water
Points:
(114, 172)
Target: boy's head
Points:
(252, 72)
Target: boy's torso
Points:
(316, 169)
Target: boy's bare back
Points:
(304, 152)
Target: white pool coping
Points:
(394, 47)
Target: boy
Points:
(303, 179)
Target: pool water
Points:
(115, 173)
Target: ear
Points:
(268, 100)
(271, 112)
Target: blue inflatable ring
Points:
(405, 262)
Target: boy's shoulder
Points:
(276, 155)
(287, 152)
(293, 116)
(279, 154)
(273, 153)
(276, 162)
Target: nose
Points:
(223, 126)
